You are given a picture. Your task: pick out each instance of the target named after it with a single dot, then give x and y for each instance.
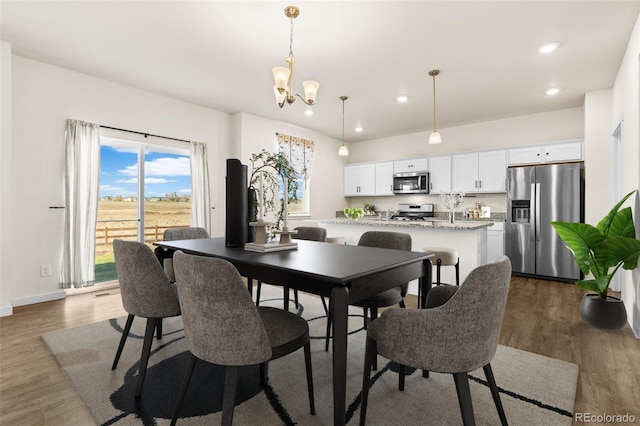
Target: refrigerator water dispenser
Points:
(520, 211)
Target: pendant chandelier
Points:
(284, 75)
(435, 136)
(343, 151)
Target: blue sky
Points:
(164, 173)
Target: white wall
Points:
(598, 155)
(44, 97)
(5, 178)
(256, 133)
(626, 103)
(524, 130)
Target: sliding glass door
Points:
(144, 189)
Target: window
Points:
(299, 152)
(162, 182)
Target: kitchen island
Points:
(468, 237)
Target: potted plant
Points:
(601, 251)
(272, 168)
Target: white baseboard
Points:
(5, 311)
(46, 297)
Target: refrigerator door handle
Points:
(537, 207)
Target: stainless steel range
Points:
(414, 212)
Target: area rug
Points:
(535, 390)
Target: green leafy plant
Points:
(273, 167)
(610, 244)
(353, 213)
(369, 208)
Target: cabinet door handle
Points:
(475, 184)
(480, 184)
(431, 185)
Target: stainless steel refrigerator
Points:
(536, 196)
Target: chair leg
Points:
(329, 320)
(183, 390)
(374, 316)
(458, 272)
(285, 297)
(159, 329)
(144, 357)
(324, 305)
(370, 353)
(402, 372)
(307, 362)
(258, 288)
(295, 298)
(439, 263)
(229, 399)
(365, 315)
(464, 398)
(125, 334)
(488, 372)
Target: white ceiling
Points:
(219, 54)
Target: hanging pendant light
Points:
(343, 151)
(283, 76)
(435, 136)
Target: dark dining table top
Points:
(335, 264)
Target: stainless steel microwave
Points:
(411, 183)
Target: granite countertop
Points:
(460, 225)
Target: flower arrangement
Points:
(451, 201)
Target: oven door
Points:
(411, 183)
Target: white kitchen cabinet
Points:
(479, 171)
(495, 241)
(440, 174)
(571, 151)
(492, 171)
(359, 179)
(384, 178)
(411, 165)
(549, 153)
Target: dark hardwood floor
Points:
(541, 317)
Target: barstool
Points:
(336, 240)
(444, 256)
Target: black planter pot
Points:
(605, 314)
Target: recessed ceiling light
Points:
(359, 129)
(553, 91)
(308, 112)
(402, 98)
(548, 47)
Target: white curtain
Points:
(200, 200)
(299, 152)
(82, 173)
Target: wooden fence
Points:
(106, 235)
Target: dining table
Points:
(345, 273)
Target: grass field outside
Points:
(118, 219)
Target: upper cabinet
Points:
(479, 171)
(411, 165)
(551, 153)
(359, 179)
(440, 174)
(384, 178)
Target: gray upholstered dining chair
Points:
(224, 327)
(146, 292)
(457, 333)
(173, 234)
(393, 296)
(310, 233)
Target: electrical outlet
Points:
(45, 270)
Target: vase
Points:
(605, 314)
(452, 216)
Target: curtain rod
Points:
(145, 134)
